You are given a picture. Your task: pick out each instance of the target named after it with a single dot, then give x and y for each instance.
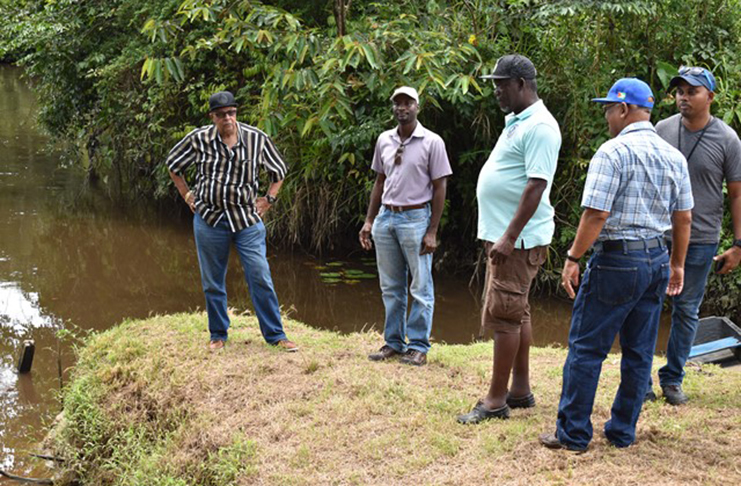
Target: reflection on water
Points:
(89, 270)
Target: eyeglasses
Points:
(399, 153)
(697, 71)
(223, 114)
(608, 106)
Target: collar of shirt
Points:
(635, 126)
(419, 132)
(213, 134)
(524, 114)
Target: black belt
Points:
(629, 245)
(398, 209)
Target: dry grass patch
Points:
(150, 404)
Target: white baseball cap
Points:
(411, 92)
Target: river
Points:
(82, 267)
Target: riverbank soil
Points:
(150, 404)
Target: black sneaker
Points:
(479, 414)
(528, 401)
(650, 396)
(674, 395)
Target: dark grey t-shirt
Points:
(717, 157)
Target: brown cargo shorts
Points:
(506, 306)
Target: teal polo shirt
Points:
(527, 149)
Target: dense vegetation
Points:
(124, 80)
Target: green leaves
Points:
(665, 71)
(161, 69)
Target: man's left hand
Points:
(429, 243)
(731, 258)
(262, 205)
(501, 250)
(676, 281)
(570, 277)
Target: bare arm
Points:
(529, 201)
(373, 207)
(681, 226)
(182, 187)
(429, 242)
(732, 256)
(590, 225)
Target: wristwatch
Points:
(572, 258)
(737, 243)
(271, 199)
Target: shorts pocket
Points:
(615, 285)
(536, 256)
(507, 300)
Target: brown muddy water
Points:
(90, 269)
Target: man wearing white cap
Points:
(404, 212)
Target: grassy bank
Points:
(150, 405)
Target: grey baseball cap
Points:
(513, 66)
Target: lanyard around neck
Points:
(702, 133)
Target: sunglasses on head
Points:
(696, 71)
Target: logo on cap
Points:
(621, 95)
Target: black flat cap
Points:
(220, 100)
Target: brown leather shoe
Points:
(287, 346)
(551, 441)
(414, 357)
(386, 352)
(216, 344)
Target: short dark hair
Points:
(640, 108)
(532, 85)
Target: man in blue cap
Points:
(713, 153)
(637, 188)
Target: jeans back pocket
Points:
(615, 285)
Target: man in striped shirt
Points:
(228, 156)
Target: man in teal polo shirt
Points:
(516, 225)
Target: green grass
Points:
(149, 404)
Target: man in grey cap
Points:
(404, 212)
(228, 156)
(713, 153)
(516, 226)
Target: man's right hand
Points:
(190, 200)
(676, 281)
(365, 233)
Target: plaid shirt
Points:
(227, 180)
(640, 180)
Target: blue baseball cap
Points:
(694, 76)
(632, 91)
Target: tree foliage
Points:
(124, 81)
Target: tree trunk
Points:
(341, 8)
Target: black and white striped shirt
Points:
(227, 180)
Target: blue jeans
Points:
(398, 239)
(621, 292)
(685, 312)
(213, 245)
